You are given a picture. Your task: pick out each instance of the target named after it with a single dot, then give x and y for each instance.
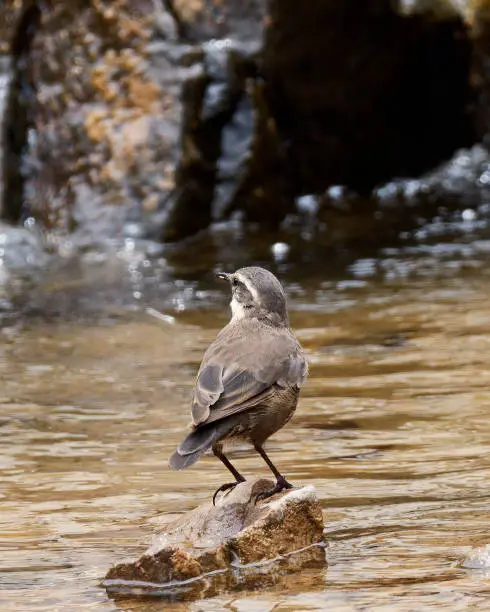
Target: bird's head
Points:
(256, 292)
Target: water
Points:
(392, 429)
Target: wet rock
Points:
(19, 22)
(106, 119)
(22, 260)
(10, 13)
(478, 558)
(201, 20)
(467, 10)
(462, 180)
(355, 99)
(440, 9)
(128, 105)
(20, 249)
(5, 83)
(475, 15)
(9, 16)
(236, 544)
(154, 119)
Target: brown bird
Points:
(248, 384)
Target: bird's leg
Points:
(218, 452)
(281, 482)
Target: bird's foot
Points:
(226, 487)
(281, 484)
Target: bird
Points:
(248, 384)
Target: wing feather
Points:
(239, 369)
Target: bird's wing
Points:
(238, 373)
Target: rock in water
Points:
(478, 558)
(236, 544)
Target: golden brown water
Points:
(393, 430)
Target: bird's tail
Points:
(198, 442)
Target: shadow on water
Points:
(392, 427)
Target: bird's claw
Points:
(281, 485)
(225, 487)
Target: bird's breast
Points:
(273, 414)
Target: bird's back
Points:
(247, 358)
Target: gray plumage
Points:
(248, 383)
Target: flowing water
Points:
(392, 429)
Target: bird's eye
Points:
(234, 282)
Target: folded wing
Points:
(227, 385)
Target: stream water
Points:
(392, 429)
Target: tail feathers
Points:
(197, 443)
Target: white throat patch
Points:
(237, 310)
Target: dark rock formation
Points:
(152, 118)
(235, 544)
(480, 20)
(368, 94)
(18, 24)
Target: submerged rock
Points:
(478, 558)
(235, 544)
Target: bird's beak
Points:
(223, 276)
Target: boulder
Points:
(236, 544)
(154, 118)
(126, 106)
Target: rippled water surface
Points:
(392, 428)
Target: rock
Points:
(10, 13)
(106, 116)
(5, 84)
(155, 118)
(233, 545)
(355, 99)
(18, 24)
(467, 10)
(21, 249)
(22, 262)
(478, 558)
(440, 9)
(127, 106)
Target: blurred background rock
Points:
(153, 120)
